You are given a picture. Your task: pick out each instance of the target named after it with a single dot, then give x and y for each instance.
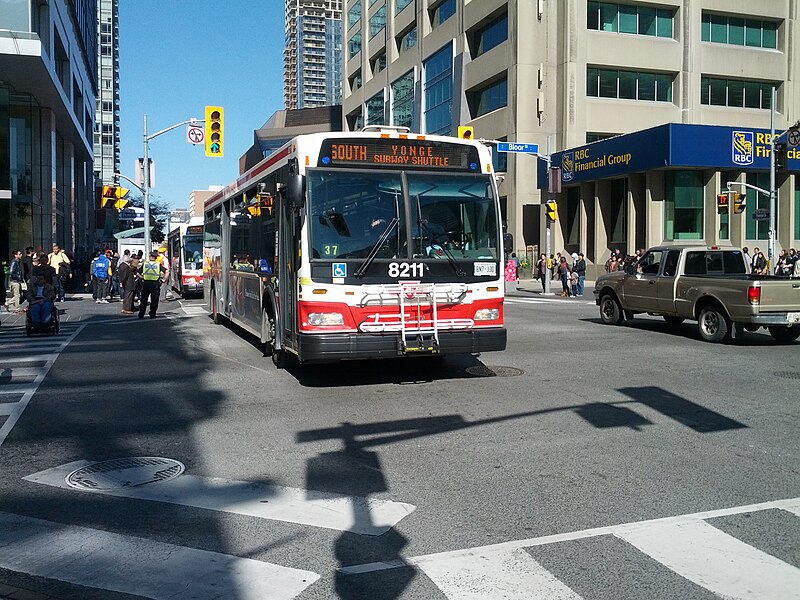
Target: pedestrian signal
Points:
(109, 193)
(552, 210)
(780, 156)
(215, 131)
(738, 203)
(466, 132)
(722, 204)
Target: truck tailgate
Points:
(780, 295)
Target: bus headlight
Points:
(322, 319)
(487, 314)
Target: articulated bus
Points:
(361, 245)
(185, 250)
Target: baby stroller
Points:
(49, 326)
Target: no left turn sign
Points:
(793, 137)
(195, 135)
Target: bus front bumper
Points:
(329, 347)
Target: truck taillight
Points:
(754, 294)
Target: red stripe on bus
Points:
(248, 176)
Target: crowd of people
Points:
(41, 279)
(572, 275)
(787, 264)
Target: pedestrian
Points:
(796, 268)
(59, 260)
(41, 296)
(747, 258)
(16, 279)
(759, 263)
(783, 267)
(113, 288)
(544, 271)
(515, 260)
(100, 272)
(563, 273)
(27, 264)
(127, 280)
(580, 268)
(41, 267)
(164, 262)
(573, 280)
(152, 271)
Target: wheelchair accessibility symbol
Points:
(339, 269)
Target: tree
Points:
(159, 215)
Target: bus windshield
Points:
(193, 251)
(450, 214)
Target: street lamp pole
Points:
(772, 191)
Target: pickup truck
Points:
(710, 285)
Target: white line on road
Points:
(16, 413)
(717, 561)
(790, 505)
(131, 565)
(511, 575)
(278, 503)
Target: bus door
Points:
(288, 264)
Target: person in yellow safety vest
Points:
(152, 272)
(164, 260)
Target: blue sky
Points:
(176, 57)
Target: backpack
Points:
(101, 264)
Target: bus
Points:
(360, 245)
(185, 252)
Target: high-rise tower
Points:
(106, 132)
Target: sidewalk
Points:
(527, 287)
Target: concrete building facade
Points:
(570, 72)
(313, 53)
(48, 85)
(106, 133)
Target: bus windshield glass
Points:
(193, 251)
(450, 214)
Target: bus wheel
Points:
(215, 308)
(268, 334)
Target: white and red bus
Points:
(185, 252)
(361, 245)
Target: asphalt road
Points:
(534, 472)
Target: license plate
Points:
(793, 317)
(485, 269)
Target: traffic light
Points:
(109, 193)
(780, 156)
(552, 210)
(215, 130)
(466, 132)
(738, 203)
(722, 204)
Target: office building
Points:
(106, 134)
(48, 85)
(313, 54)
(569, 74)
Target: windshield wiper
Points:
(376, 248)
(423, 223)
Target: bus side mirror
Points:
(295, 190)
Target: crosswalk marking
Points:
(16, 349)
(278, 503)
(716, 561)
(138, 566)
(510, 575)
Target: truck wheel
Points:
(713, 325)
(610, 310)
(784, 335)
(673, 320)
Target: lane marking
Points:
(138, 566)
(31, 389)
(792, 504)
(512, 575)
(277, 503)
(717, 561)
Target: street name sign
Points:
(762, 214)
(518, 147)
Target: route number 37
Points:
(405, 269)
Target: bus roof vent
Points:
(386, 129)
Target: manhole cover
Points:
(489, 371)
(788, 374)
(124, 473)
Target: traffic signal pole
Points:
(772, 191)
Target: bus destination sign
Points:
(399, 154)
(194, 229)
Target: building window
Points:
(354, 14)
(738, 93)
(573, 235)
(618, 217)
(354, 45)
(400, 5)
(683, 206)
(438, 91)
(407, 40)
(356, 81)
(378, 63)
(758, 230)
(355, 120)
(630, 85)
(719, 29)
(375, 114)
(441, 12)
(490, 36)
(488, 98)
(625, 18)
(596, 137)
(403, 100)
(377, 22)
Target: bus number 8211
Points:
(405, 269)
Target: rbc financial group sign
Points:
(672, 145)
